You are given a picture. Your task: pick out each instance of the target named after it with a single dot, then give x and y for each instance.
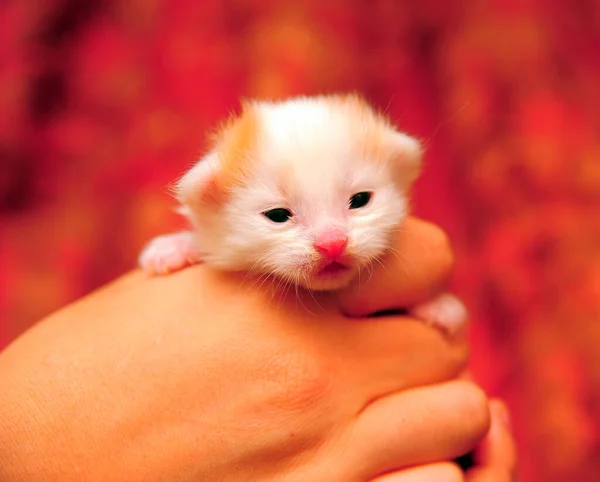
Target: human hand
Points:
(198, 376)
(494, 460)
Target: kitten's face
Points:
(309, 190)
(275, 229)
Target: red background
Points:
(102, 104)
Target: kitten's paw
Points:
(169, 253)
(445, 311)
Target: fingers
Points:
(416, 268)
(439, 472)
(497, 456)
(418, 426)
(395, 353)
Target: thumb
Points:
(417, 266)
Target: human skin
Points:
(495, 458)
(204, 375)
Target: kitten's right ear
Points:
(200, 186)
(212, 179)
(407, 154)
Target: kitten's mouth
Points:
(333, 269)
(330, 276)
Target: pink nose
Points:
(331, 244)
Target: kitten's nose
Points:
(331, 244)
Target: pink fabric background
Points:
(102, 104)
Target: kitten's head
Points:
(309, 190)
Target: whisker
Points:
(251, 271)
(381, 264)
(372, 265)
(299, 295)
(401, 259)
(312, 294)
(444, 123)
(282, 288)
(368, 266)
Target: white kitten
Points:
(309, 190)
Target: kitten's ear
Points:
(407, 153)
(212, 179)
(199, 187)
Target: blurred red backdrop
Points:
(102, 104)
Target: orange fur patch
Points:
(234, 143)
(212, 193)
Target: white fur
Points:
(320, 151)
(169, 253)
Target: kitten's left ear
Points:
(406, 154)
(200, 186)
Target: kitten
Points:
(309, 190)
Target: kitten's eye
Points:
(359, 200)
(278, 215)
